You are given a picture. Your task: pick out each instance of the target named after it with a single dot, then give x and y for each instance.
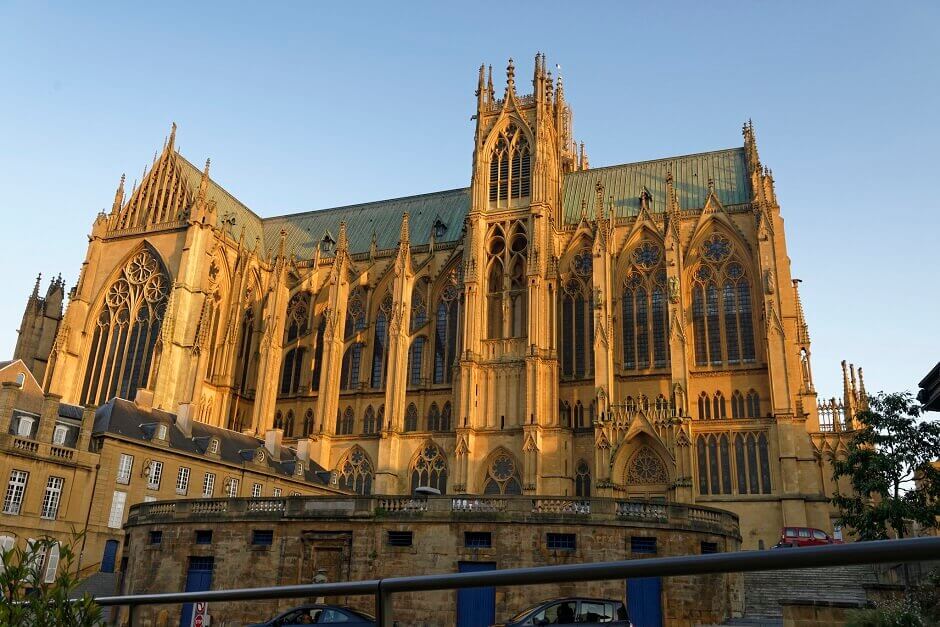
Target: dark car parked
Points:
(571, 611)
(320, 615)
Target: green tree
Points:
(30, 601)
(889, 465)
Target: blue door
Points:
(110, 554)
(644, 601)
(476, 607)
(198, 579)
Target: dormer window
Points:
(439, 228)
(327, 244)
(299, 468)
(161, 432)
(213, 446)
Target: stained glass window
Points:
(415, 359)
(645, 315)
(355, 472)
(349, 375)
(298, 316)
(446, 330)
(721, 306)
(577, 322)
(507, 182)
(429, 468)
(582, 481)
(368, 421)
(434, 418)
(355, 314)
(411, 418)
(290, 374)
(380, 343)
(502, 476)
(445, 417)
(753, 405)
(126, 331)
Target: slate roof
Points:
(382, 219)
(124, 418)
(690, 173)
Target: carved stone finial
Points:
(510, 78)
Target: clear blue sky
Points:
(304, 106)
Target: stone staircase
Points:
(763, 590)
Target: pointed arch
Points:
(582, 480)
(411, 418)
(434, 418)
(350, 370)
(501, 473)
(646, 467)
(416, 361)
(576, 329)
(447, 323)
(429, 467)
(644, 310)
(510, 157)
(355, 471)
(127, 327)
(368, 421)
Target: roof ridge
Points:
(660, 160)
(365, 204)
(221, 189)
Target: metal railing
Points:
(882, 551)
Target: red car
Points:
(804, 536)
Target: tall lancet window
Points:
(126, 331)
(577, 319)
(447, 329)
(721, 306)
(506, 283)
(644, 314)
(246, 331)
(380, 343)
(297, 326)
(510, 169)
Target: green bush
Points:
(920, 607)
(29, 601)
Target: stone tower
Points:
(37, 332)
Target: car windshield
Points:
(525, 612)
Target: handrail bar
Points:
(879, 551)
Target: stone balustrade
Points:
(461, 507)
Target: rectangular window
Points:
(149, 499)
(24, 425)
(400, 538)
(561, 542)
(642, 544)
(50, 500)
(182, 481)
(154, 476)
(232, 488)
(117, 509)
(203, 536)
(156, 537)
(256, 490)
(208, 485)
(477, 539)
(277, 492)
(709, 547)
(125, 465)
(60, 435)
(262, 537)
(15, 491)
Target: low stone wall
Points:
(355, 538)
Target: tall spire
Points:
(404, 235)
(750, 147)
(172, 137)
(862, 393)
(802, 329)
(510, 78)
(489, 84)
(481, 88)
(118, 198)
(36, 286)
(342, 241)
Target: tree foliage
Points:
(30, 601)
(889, 465)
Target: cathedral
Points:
(555, 329)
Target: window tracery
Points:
(356, 472)
(355, 314)
(298, 316)
(445, 416)
(368, 421)
(345, 422)
(646, 468)
(411, 418)
(721, 306)
(750, 473)
(434, 418)
(126, 331)
(577, 318)
(506, 291)
(349, 372)
(380, 343)
(291, 371)
(510, 175)
(419, 306)
(502, 476)
(447, 329)
(645, 316)
(582, 481)
(429, 468)
(308, 421)
(289, 423)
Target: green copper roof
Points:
(227, 207)
(690, 175)
(381, 218)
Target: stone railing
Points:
(27, 446)
(509, 348)
(37, 448)
(561, 510)
(642, 510)
(61, 453)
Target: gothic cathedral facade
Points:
(553, 329)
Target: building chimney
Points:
(184, 418)
(144, 399)
(303, 451)
(272, 442)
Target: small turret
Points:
(510, 79)
(118, 198)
